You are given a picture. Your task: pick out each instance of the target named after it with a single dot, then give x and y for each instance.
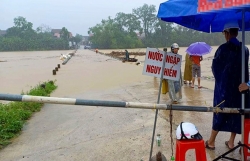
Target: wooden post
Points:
(56, 68)
(54, 72)
(58, 65)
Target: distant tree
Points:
(21, 23)
(78, 38)
(146, 14)
(162, 34)
(128, 22)
(43, 28)
(64, 34)
(22, 28)
(21, 37)
(114, 33)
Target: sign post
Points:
(154, 61)
(156, 67)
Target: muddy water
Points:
(64, 132)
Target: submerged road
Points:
(72, 133)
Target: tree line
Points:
(123, 30)
(138, 29)
(22, 37)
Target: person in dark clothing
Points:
(127, 55)
(226, 68)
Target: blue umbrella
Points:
(209, 16)
(186, 13)
(199, 48)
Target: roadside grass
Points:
(14, 114)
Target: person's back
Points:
(196, 69)
(226, 68)
(196, 59)
(227, 71)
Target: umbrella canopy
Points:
(210, 16)
(199, 48)
(197, 15)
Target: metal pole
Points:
(158, 101)
(243, 81)
(83, 102)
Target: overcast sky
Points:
(76, 15)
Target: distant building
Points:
(56, 33)
(3, 32)
(85, 40)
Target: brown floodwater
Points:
(68, 132)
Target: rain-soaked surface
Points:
(67, 132)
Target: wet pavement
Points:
(67, 132)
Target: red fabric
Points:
(196, 60)
(205, 5)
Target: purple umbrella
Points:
(199, 48)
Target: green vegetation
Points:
(138, 29)
(120, 32)
(21, 37)
(14, 114)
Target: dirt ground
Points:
(72, 133)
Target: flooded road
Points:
(67, 132)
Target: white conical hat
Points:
(231, 24)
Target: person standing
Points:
(226, 68)
(188, 70)
(175, 86)
(196, 69)
(126, 55)
(164, 88)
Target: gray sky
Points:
(76, 15)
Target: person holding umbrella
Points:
(196, 69)
(226, 67)
(196, 51)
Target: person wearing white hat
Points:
(226, 68)
(175, 86)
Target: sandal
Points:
(192, 86)
(208, 147)
(175, 102)
(226, 143)
(199, 86)
(185, 82)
